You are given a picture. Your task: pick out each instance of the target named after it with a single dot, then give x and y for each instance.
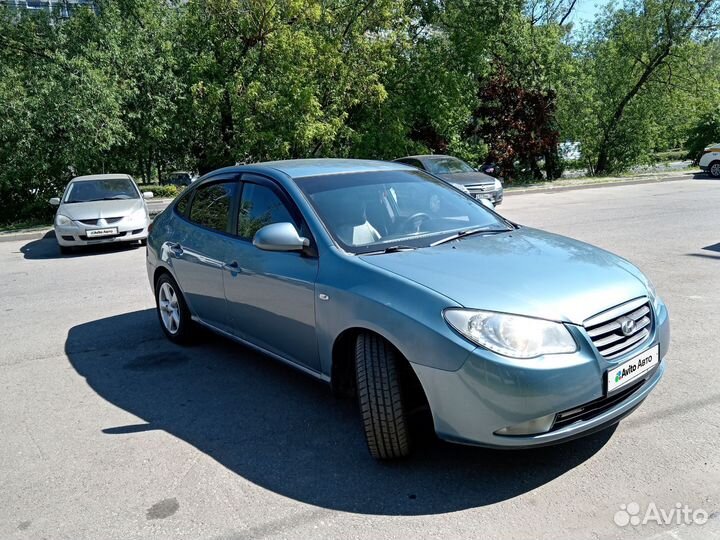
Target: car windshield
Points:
(448, 165)
(374, 211)
(101, 190)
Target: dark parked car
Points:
(456, 171)
(178, 178)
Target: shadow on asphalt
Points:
(712, 247)
(703, 176)
(285, 432)
(47, 248)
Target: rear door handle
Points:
(176, 249)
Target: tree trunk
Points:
(602, 161)
(552, 165)
(227, 127)
(608, 134)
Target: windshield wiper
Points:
(390, 249)
(467, 232)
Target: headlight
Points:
(62, 221)
(138, 215)
(498, 185)
(511, 335)
(461, 187)
(652, 293)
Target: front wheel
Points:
(172, 311)
(714, 169)
(380, 397)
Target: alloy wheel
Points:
(169, 308)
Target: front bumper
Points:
(490, 392)
(76, 234)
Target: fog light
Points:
(531, 427)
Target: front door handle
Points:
(233, 267)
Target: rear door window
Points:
(211, 205)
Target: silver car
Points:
(451, 169)
(348, 271)
(101, 208)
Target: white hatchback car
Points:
(101, 208)
(710, 160)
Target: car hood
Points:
(525, 271)
(467, 178)
(100, 209)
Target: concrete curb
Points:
(26, 235)
(610, 183)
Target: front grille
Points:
(594, 408)
(479, 188)
(621, 329)
(109, 220)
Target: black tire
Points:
(380, 397)
(65, 250)
(183, 333)
(714, 169)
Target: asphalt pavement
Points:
(109, 431)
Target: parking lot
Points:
(109, 431)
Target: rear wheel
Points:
(172, 310)
(381, 398)
(714, 169)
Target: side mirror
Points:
(55, 201)
(148, 194)
(279, 237)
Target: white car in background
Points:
(101, 208)
(710, 160)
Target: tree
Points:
(705, 132)
(516, 123)
(628, 60)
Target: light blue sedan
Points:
(397, 288)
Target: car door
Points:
(200, 243)
(271, 294)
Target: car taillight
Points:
(150, 227)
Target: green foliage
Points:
(637, 80)
(705, 132)
(169, 192)
(670, 155)
(149, 86)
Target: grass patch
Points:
(25, 224)
(165, 192)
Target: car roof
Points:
(300, 168)
(101, 177)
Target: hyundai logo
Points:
(627, 326)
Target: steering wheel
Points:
(416, 220)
